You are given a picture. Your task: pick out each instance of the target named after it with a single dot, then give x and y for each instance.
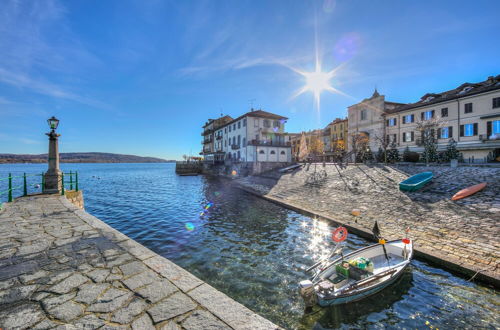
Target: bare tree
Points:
(428, 137)
(384, 144)
(359, 142)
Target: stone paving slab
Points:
(62, 268)
(463, 236)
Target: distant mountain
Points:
(81, 157)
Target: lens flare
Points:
(217, 194)
(233, 173)
(189, 226)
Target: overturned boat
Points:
(358, 274)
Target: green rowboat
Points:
(416, 181)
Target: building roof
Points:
(256, 113)
(218, 120)
(464, 90)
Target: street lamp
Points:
(52, 182)
(53, 123)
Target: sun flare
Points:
(317, 82)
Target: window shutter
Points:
(412, 118)
(475, 128)
(421, 116)
(432, 114)
(387, 122)
(439, 133)
(489, 130)
(412, 137)
(450, 132)
(395, 138)
(404, 119)
(461, 130)
(395, 121)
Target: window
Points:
(267, 123)
(468, 129)
(261, 152)
(276, 123)
(444, 133)
(239, 139)
(256, 122)
(391, 122)
(239, 124)
(229, 128)
(493, 127)
(282, 152)
(234, 126)
(426, 115)
(244, 122)
(234, 140)
(244, 142)
(468, 107)
(444, 112)
(273, 152)
(225, 130)
(408, 136)
(225, 143)
(408, 119)
(363, 115)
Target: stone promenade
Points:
(63, 268)
(462, 235)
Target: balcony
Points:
(207, 140)
(219, 137)
(267, 143)
(235, 146)
(207, 131)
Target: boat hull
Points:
(416, 181)
(468, 191)
(361, 295)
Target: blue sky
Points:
(141, 77)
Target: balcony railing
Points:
(207, 131)
(219, 137)
(207, 140)
(268, 143)
(235, 146)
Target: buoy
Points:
(339, 234)
(356, 212)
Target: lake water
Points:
(256, 252)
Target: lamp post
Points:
(53, 175)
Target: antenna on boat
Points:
(381, 240)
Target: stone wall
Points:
(75, 197)
(242, 169)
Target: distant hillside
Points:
(81, 157)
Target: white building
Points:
(256, 136)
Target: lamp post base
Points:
(52, 183)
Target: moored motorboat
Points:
(416, 181)
(358, 274)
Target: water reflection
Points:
(256, 252)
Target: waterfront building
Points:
(366, 120)
(335, 135)
(256, 137)
(295, 144)
(208, 150)
(469, 114)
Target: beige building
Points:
(367, 119)
(335, 135)
(470, 114)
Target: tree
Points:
(359, 142)
(381, 155)
(393, 154)
(427, 129)
(316, 145)
(383, 145)
(451, 150)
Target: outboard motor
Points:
(306, 290)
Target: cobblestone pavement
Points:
(63, 268)
(464, 233)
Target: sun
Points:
(317, 82)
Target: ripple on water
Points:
(256, 252)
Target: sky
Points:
(142, 77)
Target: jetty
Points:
(60, 266)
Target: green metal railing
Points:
(72, 183)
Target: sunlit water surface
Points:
(256, 252)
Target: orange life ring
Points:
(339, 234)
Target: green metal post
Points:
(10, 188)
(70, 180)
(43, 182)
(76, 179)
(25, 187)
(62, 183)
